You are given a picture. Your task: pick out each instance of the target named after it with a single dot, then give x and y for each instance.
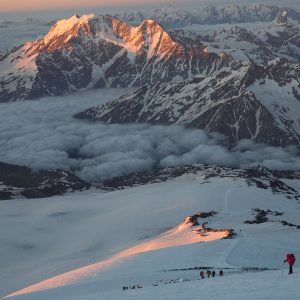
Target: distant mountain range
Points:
(257, 45)
(102, 51)
(172, 17)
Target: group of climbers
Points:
(210, 274)
(290, 259)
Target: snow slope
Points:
(91, 227)
(253, 286)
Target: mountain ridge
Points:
(94, 52)
(172, 16)
(249, 102)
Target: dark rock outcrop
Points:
(19, 181)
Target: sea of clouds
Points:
(42, 134)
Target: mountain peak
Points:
(150, 22)
(65, 25)
(152, 25)
(281, 18)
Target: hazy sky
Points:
(39, 5)
(22, 5)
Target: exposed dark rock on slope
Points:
(262, 178)
(19, 181)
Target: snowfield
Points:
(265, 285)
(131, 237)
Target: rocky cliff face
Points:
(249, 102)
(95, 52)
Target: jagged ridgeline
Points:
(172, 16)
(257, 97)
(101, 51)
(249, 102)
(89, 51)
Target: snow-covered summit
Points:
(62, 26)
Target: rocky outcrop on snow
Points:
(249, 102)
(260, 177)
(281, 18)
(19, 181)
(2, 54)
(100, 51)
(174, 17)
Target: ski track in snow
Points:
(241, 236)
(229, 191)
(223, 262)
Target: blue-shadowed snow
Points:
(49, 238)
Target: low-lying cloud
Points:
(42, 134)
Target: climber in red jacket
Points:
(290, 259)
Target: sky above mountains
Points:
(37, 5)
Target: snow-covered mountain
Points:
(22, 182)
(257, 45)
(174, 17)
(250, 102)
(282, 40)
(94, 52)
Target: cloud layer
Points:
(42, 134)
